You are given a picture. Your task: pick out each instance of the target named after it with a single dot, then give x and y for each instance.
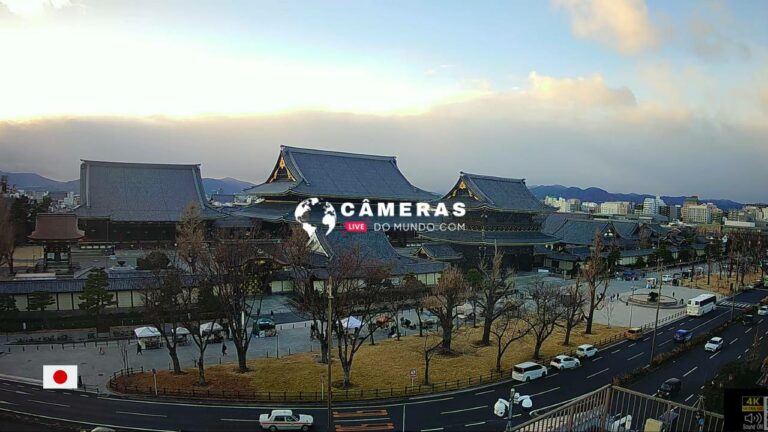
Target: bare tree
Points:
(416, 290)
(190, 237)
(607, 309)
(594, 274)
(495, 286)
(164, 309)
(431, 346)
(396, 300)
(573, 301)
(508, 328)
(201, 308)
(7, 234)
(443, 301)
(543, 312)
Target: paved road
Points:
(465, 410)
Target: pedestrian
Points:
(673, 294)
(272, 314)
(223, 348)
(138, 349)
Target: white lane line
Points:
(545, 391)
(242, 420)
(635, 356)
(597, 373)
(465, 409)
(141, 414)
(66, 393)
(748, 330)
(484, 392)
(615, 351)
(474, 424)
(702, 387)
(632, 344)
(551, 375)
(746, 350)
(516, 415)
(15, 391)
(733, 341)
(597, 358)
(664, 343)
(5, 383)
(48, 403)
(761, 337)
(690, 371)
(646, 339)
(739, 357)
(713, 355)
(688, 398)
(432, 430)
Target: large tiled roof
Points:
(581, 232)
(76, 285)
(440, 251)
(137, 192)
(330, 174)
(56, 227)
(497, 193)
(490, 238)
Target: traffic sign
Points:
(413, 373)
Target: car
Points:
(667, 278)
(669, 388)
(762, 310)
(634, 333)
(527, 371)
(714, 344)
(747, 319)
(280, 420)
(564, 362)
(749, 287)
(683, 335)
(586, 351)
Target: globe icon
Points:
(304, 212)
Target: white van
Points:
(528, 371)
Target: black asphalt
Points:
(464, 410)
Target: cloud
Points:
(583, 92)
(33, 8)
(709, 34)
(623, 25)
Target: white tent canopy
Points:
(351, 323)
(206, 327)
(146, 332)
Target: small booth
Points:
(182, 336)
(148, 337)
(214, 329)
(264, 327)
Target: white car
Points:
(527, 371)
(762, 310)
(280, 420)
(714, 344)
(666, 278)
(586, 351)
(564, 362)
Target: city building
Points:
(57, 233)
(615, 207)
(698, 214)
(651, 206)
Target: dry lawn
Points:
(718, 285)
(384, 365)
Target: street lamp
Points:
(503, 406)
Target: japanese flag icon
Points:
(60, 376)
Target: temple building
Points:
(500, 213)
(133, 205)
(57, 233)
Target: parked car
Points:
(683, 335)
(747, 319)
(586, 351)
(714, 344)
(634, 333)
(667, 278)
(564, 362)
(762, 310)
(527, 371)
(280, 420)
(669, 388)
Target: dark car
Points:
(669, 389)
(683, 335)
(747, 319)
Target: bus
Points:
(700, 305)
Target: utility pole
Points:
(509, 427)
(733, 300)
(329, 330)
(658, 303)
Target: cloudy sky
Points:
(628, 95)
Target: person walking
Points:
(138, 349)
(223, 348)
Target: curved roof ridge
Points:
(482, 176)
(139, 164)
(335, 153)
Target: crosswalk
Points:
(363, 421)
(740, 305)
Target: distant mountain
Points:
(36, 182)
(599, 195)
(226, 185)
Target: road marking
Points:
(632, 344)
(16, 391)
(739, 357)
(83, 395)
(465, 409)
(746, 350)
(516, 415)
(713, 355)
(748, 330)
(361, 419)
(615, 351)
(431, 430)
(237, 420)
(690, 371)
(597, 373)
(646, 339)
(702, 387)
(337, 414)
(66, 393)
(664, 343)
(474, 424)
(733, 341)
(597, 358)
(688, 398)
(79, 421)
(141, 414)
(6, 402)
(761, 337)
(484, 392)
(5, 383)
(48, 403)
(550, 375)
(545, 391)
(709, 321)
(635, 356)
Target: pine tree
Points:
(38, 301)
(95, 297)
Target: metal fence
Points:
(617, 409)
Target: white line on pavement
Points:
(484, 392)
(615, 351)
(690, 371)
(545, 391)
(746, 350)
(474, 424)
(747, 330)
(597, 373)
(646, 339)
(664, 343)
(688, 398)
(465, 409)
(516, 415)
(733, 341)
(431, 430)
(713, 355)
(548, 376)
(15, 391)
(635, 356)
(363, 419)
(141, 414)
(240, 420)
(597, 358)
(48, 403)
(739, 357)
(632, 344)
